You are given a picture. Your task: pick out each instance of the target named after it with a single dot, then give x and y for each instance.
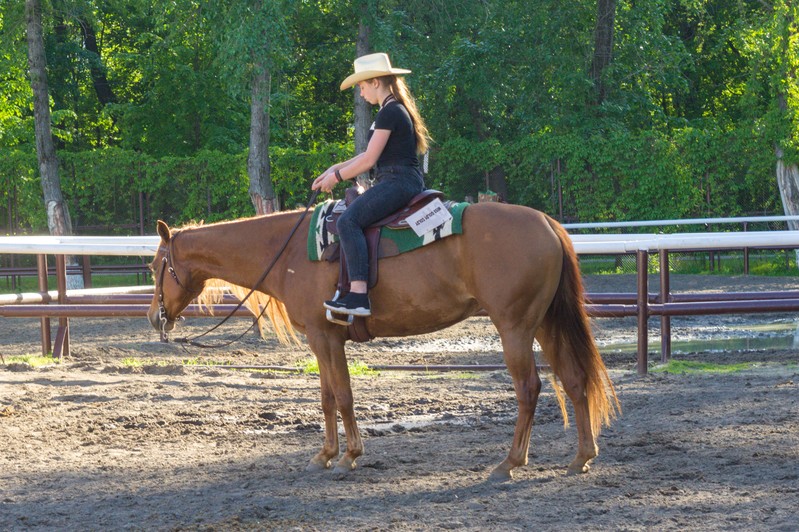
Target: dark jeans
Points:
(395, 187)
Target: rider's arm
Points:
(357, 165)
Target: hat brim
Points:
(369, 74)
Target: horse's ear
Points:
(163, 231)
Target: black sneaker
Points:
(352, 303)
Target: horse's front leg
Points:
(330, 447)
(336, 395)
(340, 382)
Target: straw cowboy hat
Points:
(371, 66)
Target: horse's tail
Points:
(574, 349)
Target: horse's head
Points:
(173, 284)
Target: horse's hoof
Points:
(577, 469)
(500, 474)
(340, 472)
(316, 467)
(343, 467)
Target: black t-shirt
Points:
(400, 149)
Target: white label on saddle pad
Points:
(429, 217)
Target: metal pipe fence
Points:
(640, 304)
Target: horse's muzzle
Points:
(159, 322)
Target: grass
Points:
(761, 262)
(34, 361)
(135, 362)
(307, 366)
(355, 367)
(31, 284)
(683, 367)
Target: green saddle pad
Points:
(395, 240)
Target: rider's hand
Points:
(325, 182)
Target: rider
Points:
(397, 135)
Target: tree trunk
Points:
(603, 45)
(58, 220)
(363, 111)
(96, 68)
(57, 215)
(258, 168)
(787, 174)
(495, 179)
(788, 183)
(498, 183)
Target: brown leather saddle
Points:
(397, 220)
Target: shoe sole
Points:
(360, 311)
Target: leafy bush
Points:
(106, 189)
(599, 176)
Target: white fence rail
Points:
(599, 244)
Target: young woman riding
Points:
(396, 137)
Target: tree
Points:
(603, 44)
(363, 110)
(254, 51)
(58, 219)
(786, 84)
(538, 97)
(262, 193)
(57, 212)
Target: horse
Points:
(513, 262)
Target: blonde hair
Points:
(403, 95)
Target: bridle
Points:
(166, 265)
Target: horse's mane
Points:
(275, 309)
(201, 223)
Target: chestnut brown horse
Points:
(516, 263)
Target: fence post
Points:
(44, 322)
(642, 267)
(665, 297)
(746, 253)
(61, 347)
(86, 270)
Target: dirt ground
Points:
(100, 443)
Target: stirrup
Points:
(339, 319)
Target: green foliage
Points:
(106, 188)
(21, 190)
(620, 175)
(700, 96)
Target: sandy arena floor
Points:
(100, 444)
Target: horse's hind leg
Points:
(574, 381)
(517, 347)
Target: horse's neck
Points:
(237, 252)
